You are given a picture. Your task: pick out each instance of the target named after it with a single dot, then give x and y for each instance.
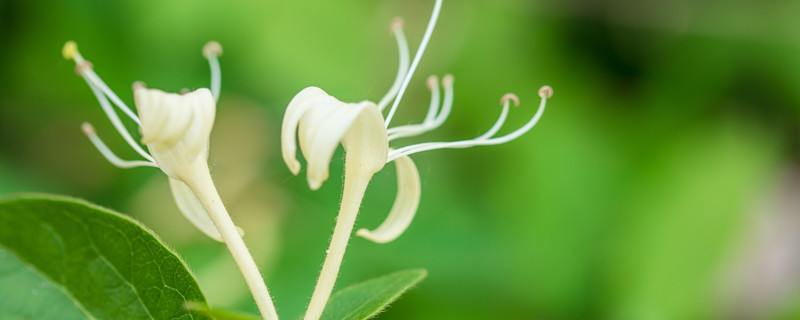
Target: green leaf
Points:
(219, 314)
(62, 258)
(365, 300)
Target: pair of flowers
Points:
(175, 128)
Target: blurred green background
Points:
(661, 183)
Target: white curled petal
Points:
(193, 210)
(300, 104)
(405, 204)
(321, 122)
(367, 141)
(170, 118)
(204, 110)
(321, 131)
(176, 127)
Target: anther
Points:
(184, 91)
(82, 66)
(69, 50)
(397, 23)
(546, 92)
(138, 85)
(88, 130)
(432, 82)
(513, 97)
(447, 81)
(212, 49)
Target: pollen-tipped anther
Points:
(88, 130)
(546, 92)
(447, 80)
(69, 50)
(512, 97)
(397, 23)
(212, 48)
(432, 82)
(185, 91)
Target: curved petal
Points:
(320, 122)
(193, 211)
(405, 204)
(300, 104)
(367, 139)
(175, 127)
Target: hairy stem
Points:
(204, 189)
(356, 179)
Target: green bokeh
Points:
(672, 135)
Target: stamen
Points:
(432, 119)
(503, 115)
(69, 50)
(84, 68)
(415, 129)
(511, 96)
(545, 93)
(433, 86)
(112, 116)
(402, 68)
(212, 50)
(425, 38)
(106, 152)
(397, 23)
(81, 67)
(447, 105)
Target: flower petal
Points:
(322, 122)
(300, 104)
(367, 139)
(175, 127)
(405, 204)
(192, 209)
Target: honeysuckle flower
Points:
(175, 128)
(319, 122)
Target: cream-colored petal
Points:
(324, 128)
(318, 122)
(300, 104)
(176, 127)
(405, 204)
(367, 139)
(193, 210)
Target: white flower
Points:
(318, 122)
(322, 122)
(174, 127)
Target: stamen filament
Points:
(212, 50)
(447, 104)
(402, 68)
(112, 116)
(500, 120)
(415, 129)
(108, 154)
(70, 52)
(432, 119)
(425, 39)
(545, 93)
